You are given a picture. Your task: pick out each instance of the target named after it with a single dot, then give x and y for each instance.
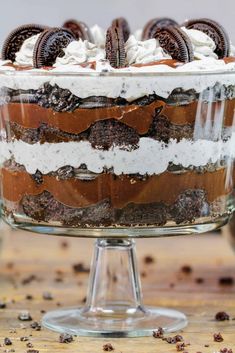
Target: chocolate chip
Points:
(37, 177)
(176, 43)
(159, 333)
(16, 38)
(115, 47)
(151, 27)
(108, 347)
(215, 31)
(50, 45)
(79, 29)
(7, 341)
(221, 316)
(25, 316)
(218, 337)
(36, 326)
(65, 338)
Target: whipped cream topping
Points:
(142, 52)
(203, 45)
(99, 36)
(49, 157)
(79, 52)
(24, 57)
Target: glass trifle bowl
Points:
(117, 156)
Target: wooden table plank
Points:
(210, 257)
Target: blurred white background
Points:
(54, 12)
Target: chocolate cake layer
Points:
(31, 116)
(188, 206)
(119, 190)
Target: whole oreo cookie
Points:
(175, 43)
(151, 27)
(215, 31)
(16, 38)
(79, 29)
(50, 45)
(115, 47)
(122, 23)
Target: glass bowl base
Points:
(127, 324)
(202, 225)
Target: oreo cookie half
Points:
(79, 29)
(215, 31)
(122, 23)
(151, 27)
(175, 43)
(115, 47)
(50, 45)
(17, 37)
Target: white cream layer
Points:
(131, 83)
(151, 156)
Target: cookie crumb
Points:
(65, 338)
(226, 281)
(80, 268)
(108, 347)
(218, 337)
(7, 341)
(148, 259)
(221, 316)
(159, 333)
(187, 269)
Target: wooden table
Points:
(164, 284)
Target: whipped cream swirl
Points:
(99, 36)
(138, 52)
(203, 45)
(24, 57)
(79, 52)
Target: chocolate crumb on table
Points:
(187, 269)
(108, 347)
(7, 341)
(32, 351)
(36, 326)
(174, 339)
(24, 339)
(221, 316)
(3, 305)
(80, 268)
(148, 259)
(159, 333)
(218, 337)
(226, 350)
(199, 280)
(29, 345)
(226, 281)
(65, 338)
(180, 346)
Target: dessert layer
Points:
(188, 206)
(131, 83)
(149, 157)
(139, 118)
(119, 190)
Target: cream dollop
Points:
(203, 45)
(138, 52)
(98, 34)
(24, 57)
(79, 52)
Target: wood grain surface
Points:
(33, 264)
